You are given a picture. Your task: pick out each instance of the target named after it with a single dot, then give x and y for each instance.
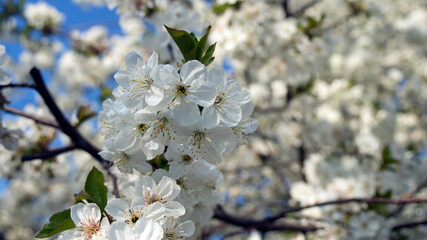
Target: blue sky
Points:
(77, 17)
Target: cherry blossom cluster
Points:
(152, 213)
(190, 117)
(191, 110)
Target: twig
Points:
(17, 85)
(268, 224)
(44, 121)
(48, 154)
(344, 201)
(421, 186)
(409, 225)
(260, 225)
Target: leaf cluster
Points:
(191, 47)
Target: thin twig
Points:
(48, 154)
(44, 121)
(344, 201)
(267, 224)
(17, 85)
(260, 225)
(409, 225)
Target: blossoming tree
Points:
(170, 147)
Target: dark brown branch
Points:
(48, 154)
(344, 201)
(78, 141)
(64, 124)
(44, 121)
(260, 225)
(409, 225)
(285, 6)
(268, 224)
(421, 186)
(17, 85)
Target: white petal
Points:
(193, 71)
(118, 208)
(217, 75)
(249, 126)
(148, 230)
(153, 60)
(124, 140)
(232, 115)
(134, 59)
(123, 79)
(202, 93)
(186, 114)
(210, 117)
(174, 209)
(82, 213)
(166, 188)
(186, 229)
(247, 109)
(143, 183)
(154, 95)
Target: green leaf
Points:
(58, 223)
(84, 113)
(185, 41)
(221, 8)
(202, 43)
(388, 159)
(207, 58)
(95, 187)
(82, 195)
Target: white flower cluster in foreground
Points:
(191, 110)
(152, 214)
(176, 123)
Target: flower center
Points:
(187, 159)
(90, 229)
(142, 128)
(150, 199)
(181, 90)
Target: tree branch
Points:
(64, 124)
(17, 85)
(48, 154)
(285, 6)
(260, 225)
(409, 225)
(78, 141)
(344, 201)
(268, 224)
(44, 121)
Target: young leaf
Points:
(185, 41)
(95, 187)
(202, 43)
(207, 58)
(58, 223)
